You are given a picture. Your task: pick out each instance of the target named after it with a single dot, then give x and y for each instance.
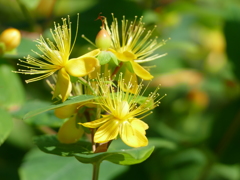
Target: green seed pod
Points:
(11, 37)
(103, 40)
(70, 131)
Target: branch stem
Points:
(96, 167)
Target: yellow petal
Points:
(107, 131)
(139, 125)
(96, 123)
(63, 85)
(70, 132)
(91, 53)
(140, 71)
(131, 136)
(94, 74)
(82, 66)
(124, 56)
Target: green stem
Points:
(84, 82)
(87, 115)
(96, 167)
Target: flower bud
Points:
(11, 38)
(70, 131)
(103, 40)
(66, 111)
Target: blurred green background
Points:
(196, 128)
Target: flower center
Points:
(122, 109)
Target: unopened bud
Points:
(11, 38)
(66, 111)
(70, 131)
(103, 40)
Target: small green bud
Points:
(11, 37)
(103, 40)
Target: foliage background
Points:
(196, 127)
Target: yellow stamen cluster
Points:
(54, 54)
(123, 113)
(134, 42)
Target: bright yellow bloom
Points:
(122, 114)
(55, 57)
(134, 46)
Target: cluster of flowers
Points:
(111, 72)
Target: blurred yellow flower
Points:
(133, 45)
(11, 38)
(56, 58)
(122, 111)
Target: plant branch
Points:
(96, 167)
(117, 69)
(87, 115)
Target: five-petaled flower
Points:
(122, 113)
(55, 57)
(133, 45)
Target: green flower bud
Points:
(103, 40)
(11, 38)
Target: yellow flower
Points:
(122, 114)
(55, 57)
(11, 38)
(134, 46)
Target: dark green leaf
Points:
(5, 125)
(41, 166)
(82, 151)
(50, 144)
(71, 100)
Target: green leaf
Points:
(38, 166)
(50, 144)
(71, 100)
(5, 125)
(11, 89)
(82, 151)
(122, 156)
(105, 56)
(114, 58)
(44, 119)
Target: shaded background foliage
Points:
(197, 124)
